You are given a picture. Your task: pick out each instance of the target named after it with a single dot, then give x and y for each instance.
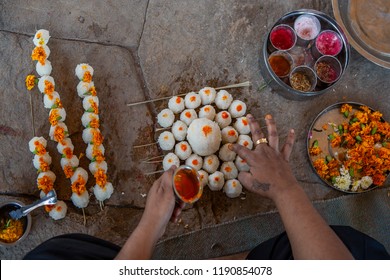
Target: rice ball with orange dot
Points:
(242, 125)
(188, 115)
(165, 118)
(246, 141)
(183, 150)
(225, 154)
(241, 164)
(169, 160)
(42, 162)
(195, 161)
(166, 140)
(79, 173)
(192, 100)
(207, 112)
(223, 119)
(81, 69)
(232, 188)
(95, 165)
(36, 144)
(59, 210)
(44, 68)
(179, 130)
(223, 99)
(52, 100)
(41, 37)
(204, 136)
(210, 163)
(176, 104)
(46, 84)
(237, 109)
(229, 135)
(207, 95)
(66, 143)
(216, 181)
(204, 177)
(229, 170)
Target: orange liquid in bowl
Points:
(187, 185)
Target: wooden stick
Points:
(156, 161)
(147, 159)
(245, 84)
(162, 128)
(145, 145)
(154, 172)
(85, 219)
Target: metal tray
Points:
(366, 25)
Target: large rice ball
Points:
(229, 135)
(204, 136)
(216, 181)
(223, 99)
(225, 154)
(165, 118)
(192, 100)
(223, 119)
(183, 150)
(166, 140)
(242, 125)
(232, 188)
(169, 160)
(195, 161)
(188, 115)
(179, 130)
(211, 163)
(237, 109)
(229, 170)
(176, 104)
(207, 112)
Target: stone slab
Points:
(117, 22)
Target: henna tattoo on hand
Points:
(262, 186)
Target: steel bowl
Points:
(7, 207)
(281, 85)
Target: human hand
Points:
(160, 205)
(270, 171)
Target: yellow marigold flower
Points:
(31, 81)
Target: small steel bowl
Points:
(281, 85)
(9, 206)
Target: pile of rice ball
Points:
(202, 125)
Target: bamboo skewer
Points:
(154, 172)
(145, 145)
(244, 84)
(156, 161)
(148, 159)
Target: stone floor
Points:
(140, 50)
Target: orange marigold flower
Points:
(39, 148)
(94, 123)
(49, 87)
(69, 171)
(78, 186)
(93, 91)
(100, 177)
(87, 77)
(322, 168)
(315, 151)
(346, 108)
(39, 54)
(31, 81)
(45, 184)
(94, 106)
(97, 138)
(48, 208)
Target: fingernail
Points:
(268, 117)
(292, 131)
(230, 147)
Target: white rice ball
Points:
(83, 88)
(59, 112)
(223, 99)
(94, 166)
(88, 103)
(53, 129)
(232, 188)
(41, 37)
(211, 163)
(49, 100)
(246, 141)
(80, 201)
(169, 160)
(66, 143)
(229, 135)
(79, 172)
(229, 170)
(216, 181)
(207, 95)
(242, 125)
(183, 150)
(179, 130)
(176, 104)
(192, 100)
(73, 161)
(90, 150)
(87, 117)
(225, 154)
(81, 69)
(223, 119)
(59, 211)
(165, 118)
(188, 115)
(88, 134)
(45, 158)
(166, 140)
(237, 109)
(49, 174)
(44, 69)
(207, 112)
(195, 161)
(204, 136)
(241, 164)
(102, 194)
(39, 140)
(204, 178)
(42, 80)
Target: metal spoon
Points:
(49, 199)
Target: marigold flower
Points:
(31, 81)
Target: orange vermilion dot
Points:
(231, 132)
(228, 169)
(234, 184)
(192, 98)
(183, 147)
(166, 137)
(178, 100)
(48, 208)
(165, 115)
(210, 161)
(188, 114)
(207, 130)
(239, 108)
(246, 143)
(225, 97)
(216, 179)
(58, 208)
(195, 162)
(180, 128)
(207, 91)
(244, 121)
(225, 115)
(207, 109)
(170, 160)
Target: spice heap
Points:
(58, 130)
(365, 139)
(91, 134)
(46, 178)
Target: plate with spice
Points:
(349, 147)
(304, 54)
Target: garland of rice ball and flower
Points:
(199, 127)
(91, 134)
(362, 144)
(46, 177)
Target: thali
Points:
(348, 147)
(366, 24)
